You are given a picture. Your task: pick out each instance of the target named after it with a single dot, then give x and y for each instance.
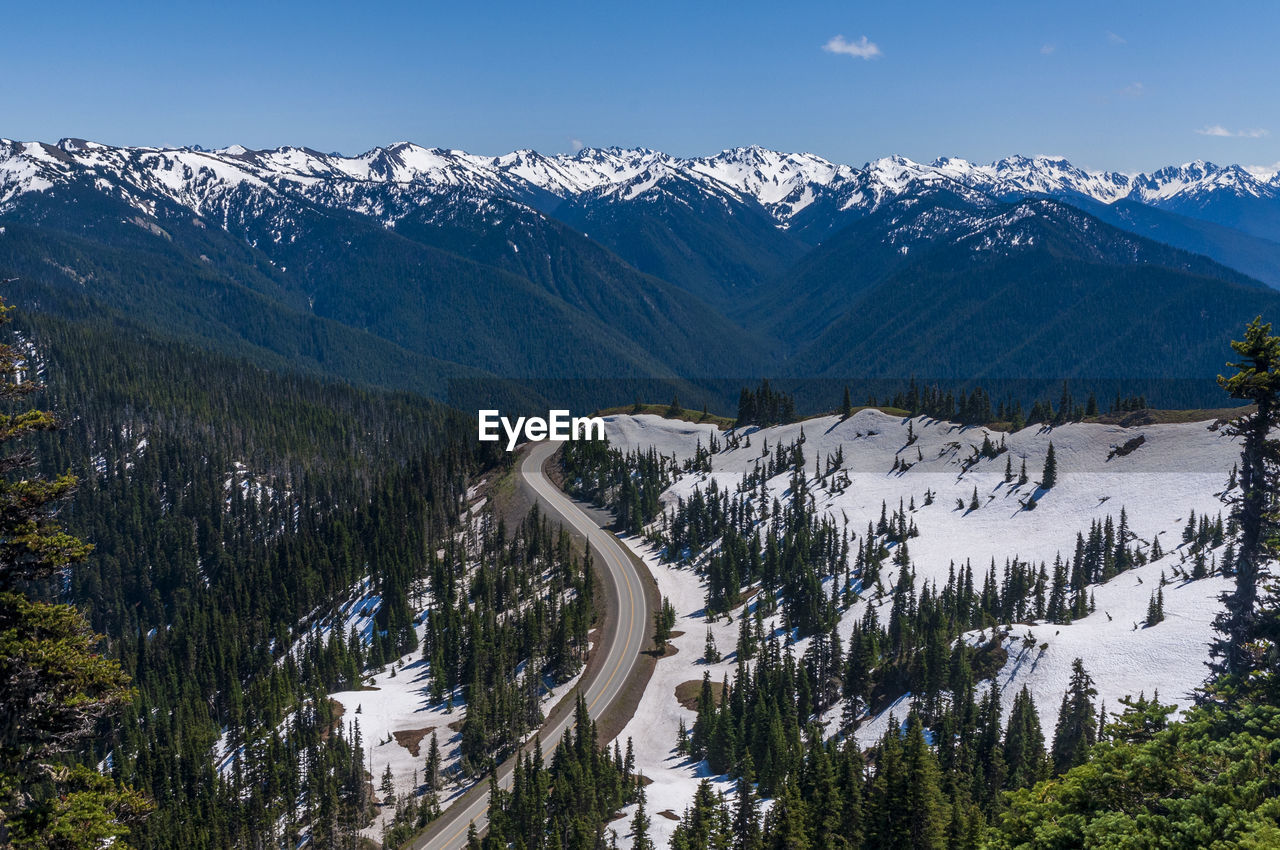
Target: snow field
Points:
(1178, 469)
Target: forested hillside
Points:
(445, 273)
(232, 511)
(904, 632)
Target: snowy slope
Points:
(1178, 469)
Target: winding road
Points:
(622, 638)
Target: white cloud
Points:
(862, 49)
(1115, 39)
(1223, 132)
(1048, 49)
(1264, 172)
(1134, 90)
(576, 144)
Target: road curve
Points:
(621, 643)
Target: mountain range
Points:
(419, 268)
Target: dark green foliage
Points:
(1024, 753)
(1155, 608)
(629, 484)
(889, 314)
(229, 506)
(663, 620)
(569, 802)
(765, 406)
(1208, 781)
(1049, 476)
(1249, 646)
(720, 251)
(56, 690)
(1077, 728)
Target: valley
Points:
(353, 623)
(588, 279)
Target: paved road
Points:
(621, 642)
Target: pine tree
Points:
(710, 654)
(640, 824)
(1077, 727)
(746, 813)
(846, 406)
(54, 688)
(387, 786)
(663, 621)
(1243, 649)
(1049, 476)
(786, 824)
(431, 776)
(922, 803)
(1024, 753)
(1155, 608)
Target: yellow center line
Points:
(631, 620)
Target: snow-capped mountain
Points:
(784, 184)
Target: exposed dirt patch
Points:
(1150, 416)
(665, 411)
(511, 502)
(338, 710)
(667, 651)
(411, 739)
(989, 660)
(668, 814)
(688, 693)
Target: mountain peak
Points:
(783, 183)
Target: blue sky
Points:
(1121, 85)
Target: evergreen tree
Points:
(1049, 476)
(1155, 608)
(1249, 637)
(710, 654)
(746, 815)
(1024, 753)
(663, 621)
(922, 802)
(1077, 727)
(54, 687)
(431, 775)
(640, 824)
(786, 824)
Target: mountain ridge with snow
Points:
(781, 183)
